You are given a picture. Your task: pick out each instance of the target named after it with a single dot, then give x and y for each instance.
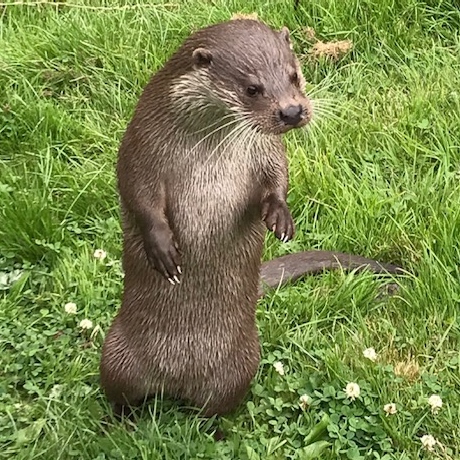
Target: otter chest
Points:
(216, 198)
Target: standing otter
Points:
(201, 172)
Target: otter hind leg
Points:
(220, 405)
(122, 376)
(123, 392)
(224, 391)
(217, 397)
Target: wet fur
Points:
(200, 167)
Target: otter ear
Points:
(285, 35)
(202, 57)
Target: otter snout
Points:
(291, 115)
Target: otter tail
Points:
(291, 267)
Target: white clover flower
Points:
(390, 409)
(428, 442)
(100, 254)
(352, 390)
(304, 401)
(70, 308)
(55, 391)
(279, 367)
(370, 353)
(86, 324)
(435, 402)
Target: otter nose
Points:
(291, 115)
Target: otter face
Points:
(276, 105)
(253, 70)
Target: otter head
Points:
(251, 70)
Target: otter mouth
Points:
(285, 127)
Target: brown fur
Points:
(191, 196)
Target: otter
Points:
(202, 174)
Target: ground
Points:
(377, 175)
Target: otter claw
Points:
(179, 270)
(282, 237)
(171, 281)
(176, 279)
(274, 228)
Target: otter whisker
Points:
(315, 134)
(239, 127)
(238, 139)
(217, 122)
(321, 87)
(323, 115)
(318, 108)
(244, 138)
(335, 106)
(324, 103)
(249, 117)
(232, 142)
(212, 133)
(220, 127)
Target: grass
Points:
(380, 177)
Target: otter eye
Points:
(253, 90)
(294, 77)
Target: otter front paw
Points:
(163, 254)
(278, 218)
